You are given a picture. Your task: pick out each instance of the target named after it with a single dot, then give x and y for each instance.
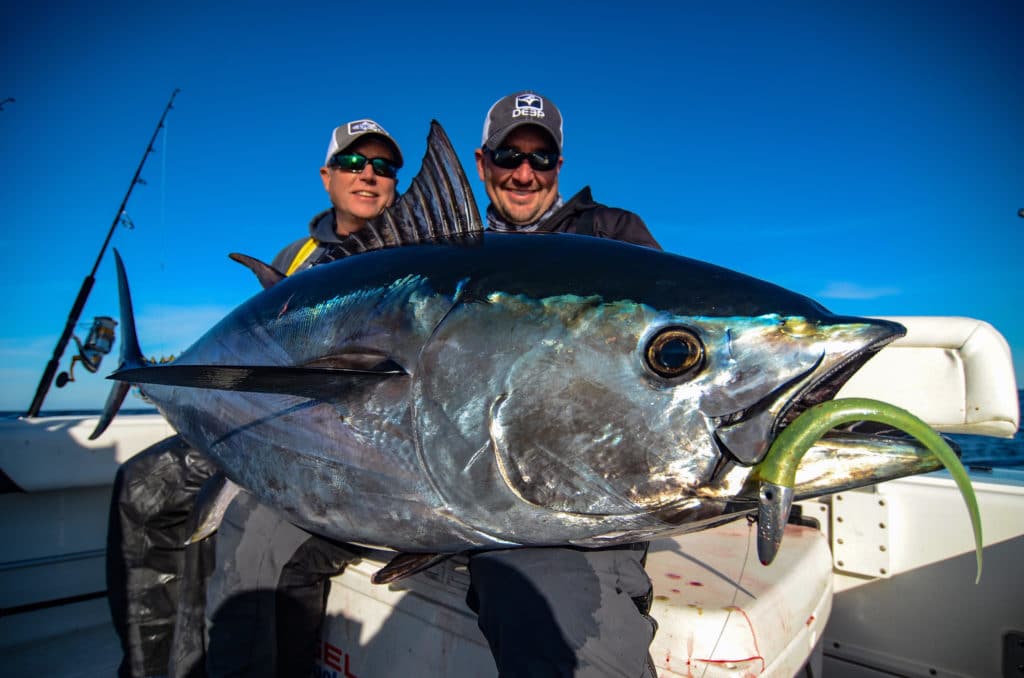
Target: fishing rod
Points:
(83, 293)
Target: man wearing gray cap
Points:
(357, 195)
(519, 160)
(267, 603)
(555, 611)
(266, 597)
(268, 592)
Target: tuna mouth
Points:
(826, 386)
(745, 435)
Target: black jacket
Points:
(580, 214)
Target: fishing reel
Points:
(97, 344)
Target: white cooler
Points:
(720, 612)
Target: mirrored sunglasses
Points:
(355, 162)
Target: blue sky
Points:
(866, 154)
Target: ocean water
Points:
(980, 453)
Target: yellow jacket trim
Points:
(302, 255)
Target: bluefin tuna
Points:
(496, 390)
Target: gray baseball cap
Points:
(516, 110)
(345, 135)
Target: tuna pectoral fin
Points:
(309, 382)
(407, 564)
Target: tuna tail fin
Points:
(131, 354)
(438, 207)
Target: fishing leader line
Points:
(733, 607)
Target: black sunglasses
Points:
(355, 162)
(510, 158)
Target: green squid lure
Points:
(776, 474)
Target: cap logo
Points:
(362, 126)
(528, 106)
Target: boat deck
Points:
(82, 644)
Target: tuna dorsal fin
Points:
(265, 273)
(438, 207)
(407, 564)
(321, 383)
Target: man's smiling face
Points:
(359, 196)
(523, 194)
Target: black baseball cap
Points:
(518, 109)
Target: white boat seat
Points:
(954, 373)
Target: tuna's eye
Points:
(674, 351)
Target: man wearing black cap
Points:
(519, 159)
(555, 611)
